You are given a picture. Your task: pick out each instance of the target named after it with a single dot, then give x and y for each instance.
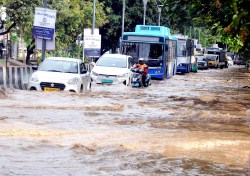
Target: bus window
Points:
(155, 51)
(152, 53)
(181, 49)
(130, 49)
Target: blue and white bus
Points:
(156, 45)
(185, 53)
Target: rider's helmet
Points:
(141, 61)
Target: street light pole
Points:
(159, 18)
(93, 18)
(144, 14)
(199, 35)
(44, 41)
(123, 15)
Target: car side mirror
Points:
(34, 68)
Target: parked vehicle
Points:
(212, 60)
(222, 62)
(112, 69)
(136, 78)
(202, 62)
(60, 74)
(185, 54)
(241, 61)
(230, 61)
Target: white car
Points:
(230, 61)
(60, 74)
(112, 69)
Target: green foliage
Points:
(112, 31)
(72, 17)
(227, 18)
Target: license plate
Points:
(107, 81)
(48, 89)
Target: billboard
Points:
(92, 43)
(44, 23)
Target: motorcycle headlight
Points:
(123, 75)
(73, 81)
(94, 73)
(34, 78)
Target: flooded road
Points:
(193, 124)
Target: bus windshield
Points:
(211, 57)
(151, 52)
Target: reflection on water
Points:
(194, 124)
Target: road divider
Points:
(16, 77)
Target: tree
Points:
(72, 17)
(111, 32)
(229, 18)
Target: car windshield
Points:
(112, 62)
(212, 58)
(59, 66)
(201, 58)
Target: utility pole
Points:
(123, 15)
(190, 32)
(93, 18)
(159, 11)
(123, 18)
(44, 41)
(199, 29)
(144, 14)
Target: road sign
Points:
(92, 45)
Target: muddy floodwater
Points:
(193, 124)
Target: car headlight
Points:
(94, 73)
(73, 81)
(34, 78)
(123, 75)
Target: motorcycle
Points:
(136, 78)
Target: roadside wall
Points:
(16, 77)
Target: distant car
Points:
(212, 60)
(230, 61)
(60, 74)
(112, 69)
(241, 62)
(201, 62)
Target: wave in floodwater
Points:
(194, 124)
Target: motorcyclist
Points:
(142, 66)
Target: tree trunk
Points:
(30, 50)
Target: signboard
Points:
(92, 45)
(50, 44)
(142, 38)
(44, 23)
(92, 41)
(88, 31)
(92, 52)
